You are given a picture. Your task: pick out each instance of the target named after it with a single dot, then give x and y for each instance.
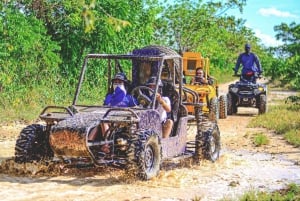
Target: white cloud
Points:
(267, 40)
(274, 12)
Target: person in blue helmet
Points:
(117, 98)
(249, 61)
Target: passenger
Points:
(163, 107)
(199, 78)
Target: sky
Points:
(262, 15)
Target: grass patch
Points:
(260, 139)
(293, 137)
(284, 119)
(25, 106)
(291, 193)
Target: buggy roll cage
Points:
(160, 59)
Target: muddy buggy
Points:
(214, 105)
(135, 133)
(247, 93)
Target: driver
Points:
(118, 98)
(163, 107)
(249, 61)
(199, 78)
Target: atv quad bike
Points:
(208, 92)
(134, 141)
(247, 93)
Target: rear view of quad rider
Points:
(250, 62)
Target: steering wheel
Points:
(143, 94)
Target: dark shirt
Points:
(249, 61)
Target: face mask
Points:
(121, 86)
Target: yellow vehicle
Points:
(207, 92)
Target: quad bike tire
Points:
(32, 145)
(208, 142)
(144, 156)
(231, 106)
(262, 107)
(223, 107)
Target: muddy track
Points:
(242, 167)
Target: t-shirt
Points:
(161, 110)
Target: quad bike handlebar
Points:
(259, 76)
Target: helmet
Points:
(247, 45)
(120, 76)
(152, 81)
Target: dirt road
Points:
(242, 167)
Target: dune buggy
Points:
(214, 104)
(135, 140)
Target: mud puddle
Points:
(235, 172)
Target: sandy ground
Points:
(242, 167)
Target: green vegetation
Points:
(260, 139)
(44, 42)
(291, 193)
(284, 119)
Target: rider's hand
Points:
(235, 71)
(158, 97)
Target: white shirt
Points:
(161, 110)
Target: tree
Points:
(27, 54)
(196, 26)
(82, 27)
(289, 53)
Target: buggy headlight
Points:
(258, 90)
(234, 89)
(261, 89)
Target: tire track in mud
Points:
(242, 167)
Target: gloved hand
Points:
(235, 71)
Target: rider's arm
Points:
(107, 99)
(257, 62)
(238, 63)
(132, 101)
(192, 80)
(165, 103)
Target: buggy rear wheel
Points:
(223, 107)
(32, 144)
(214, 109)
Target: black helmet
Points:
(152, 81)
(247, 45)
(120, 76)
